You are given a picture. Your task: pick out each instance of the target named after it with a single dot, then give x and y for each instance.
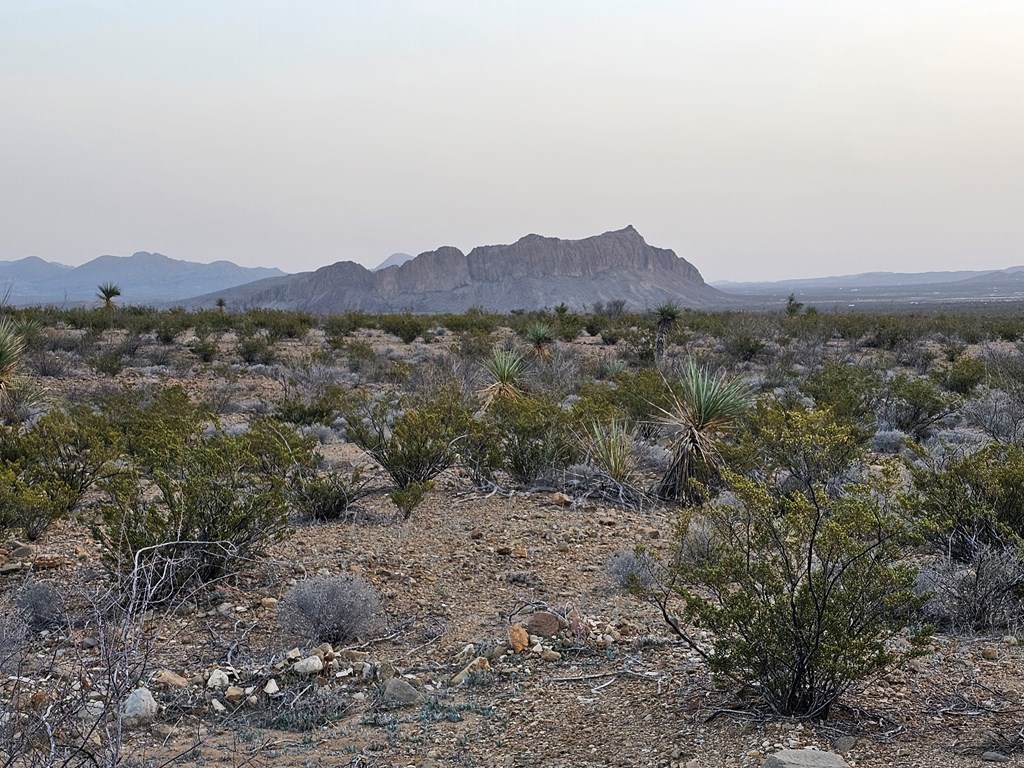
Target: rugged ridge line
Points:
(532, 273)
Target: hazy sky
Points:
(767, 138)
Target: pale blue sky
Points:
(757, 139)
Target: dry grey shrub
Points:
(335, 609)
(983, 594)
(41, 604)
(631, 569)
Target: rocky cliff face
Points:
(532, 273)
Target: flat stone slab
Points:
(804, 758)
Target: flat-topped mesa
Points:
(531, 273)
(534, 255)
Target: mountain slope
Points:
(531, 273)
(143, 278)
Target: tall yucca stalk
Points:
(507, 370)
(703, 408)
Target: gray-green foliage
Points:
(333, 609)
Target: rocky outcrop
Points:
(532, 273)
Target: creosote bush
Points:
(332, 609)
(803, 585)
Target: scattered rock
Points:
(1010, 640)
(561, 500)
(995, 757)
(23, 552)
(311, 665)
(234, 694)
(518, 638)
(478, 664)
(398, 691)
(140, 708)
(217, 706)
(271, 687)
(844, 744)
(386, 670)
(8, 568)
(218, 679)
(168, 679)
(549, 654)
(804, 758)
(990, 654)
(268, 602)
(544, 624)
(293, 655)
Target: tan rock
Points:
(168, 679)
(478, 664)
(561, 499)
(234, 694)
(518, 638)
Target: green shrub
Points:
(414, 441)
(536, 435)
(802, 593)
(256, 350)
(406, 326)
(324, 496)
(851, 392)
(206, 512)
(975, 501)
(963, 375)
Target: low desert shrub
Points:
(322, 496)
(413, 440)
(41, 605)
(332, 609)
(963, 375)
(536, 438)
(406, 326)
(983, 594)
(200, 511)
(633, 570)
(802, 593)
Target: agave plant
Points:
(702, 409)
(507, 369)
(540, 337)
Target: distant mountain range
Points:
(394, 260)
(532, 273)
(144, 278)
(905, 288)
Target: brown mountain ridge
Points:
(531, 273)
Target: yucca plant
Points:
(507, 370)
(665, 318)
(540, 337)
(12, 353)
(107, 293)
(612, 449)
(703, 407)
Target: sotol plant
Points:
(702, 408)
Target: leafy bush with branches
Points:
(803, 592)
(202, 509)
(414, 441)
(536, 438)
